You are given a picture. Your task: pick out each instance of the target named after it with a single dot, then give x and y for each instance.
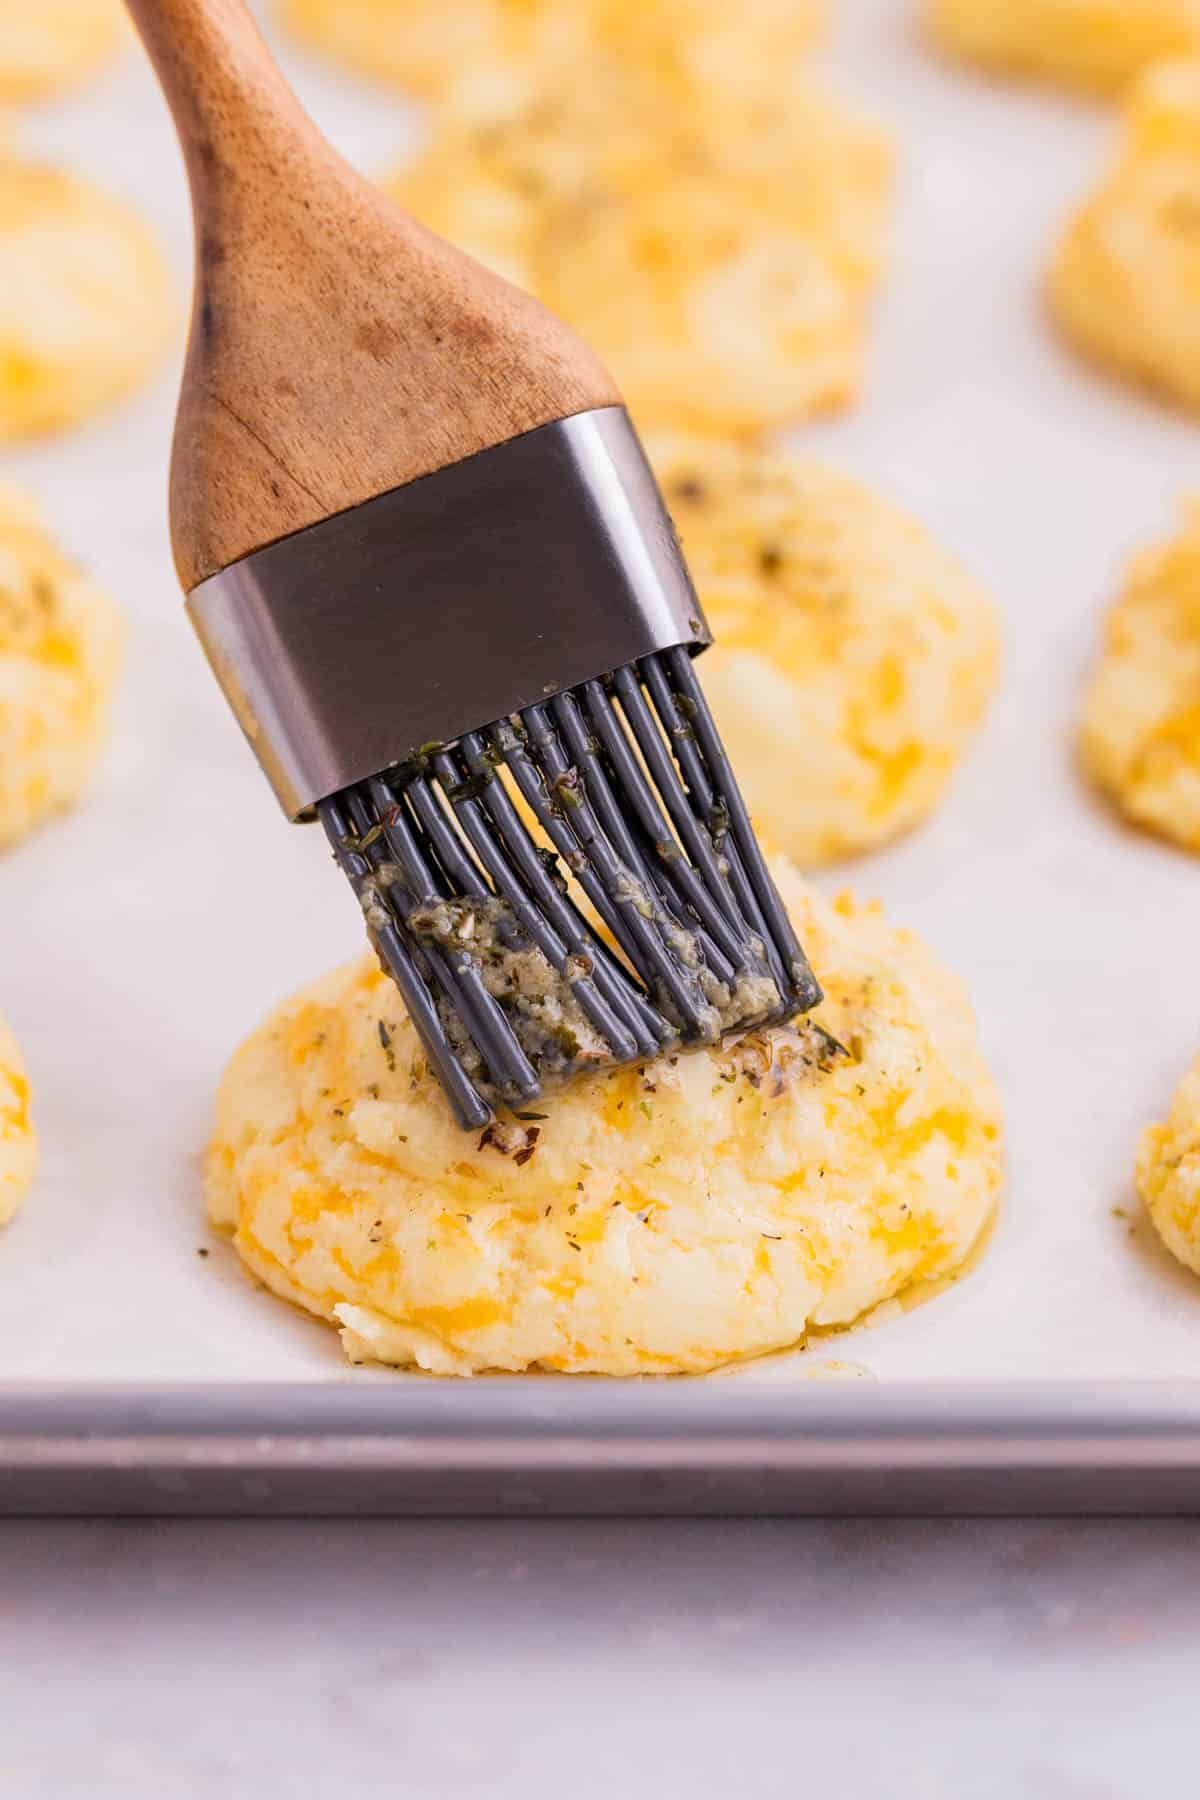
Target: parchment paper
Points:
(143, 935)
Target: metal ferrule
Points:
(447, 604)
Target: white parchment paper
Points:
(142, 936)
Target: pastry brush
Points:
(433, 574)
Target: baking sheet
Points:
(132, 958)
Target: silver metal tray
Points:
(137, 1375)
(533, 1448)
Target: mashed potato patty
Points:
(854, 656)
(1125, 278)
(1092, 44)
(60, 641)
(720, 259)
(1168, 1172)
(85, 299)
(673, 1217)
(18, 1146)
(1140, 732)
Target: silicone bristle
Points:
(624, 908)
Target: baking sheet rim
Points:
(590, 1446)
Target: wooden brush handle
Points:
(337, 348)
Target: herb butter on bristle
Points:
(550, 1024)
(702, 1208)
(552, 1028)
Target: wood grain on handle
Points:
(337, 348)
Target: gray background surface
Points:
(643, 1660)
